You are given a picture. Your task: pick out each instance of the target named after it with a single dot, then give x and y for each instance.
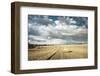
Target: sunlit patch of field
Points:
(51, 52)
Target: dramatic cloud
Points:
(57, 29)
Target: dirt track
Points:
(58, 52)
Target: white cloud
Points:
(60, 33)
(42, 40)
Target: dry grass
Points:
(74, 51)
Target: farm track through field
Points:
(58, 52)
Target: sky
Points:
(48, 29)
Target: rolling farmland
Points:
(51, 52)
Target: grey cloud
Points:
(42, 31)
(43, 21)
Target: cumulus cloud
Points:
(57, 29)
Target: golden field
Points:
(51, 52)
